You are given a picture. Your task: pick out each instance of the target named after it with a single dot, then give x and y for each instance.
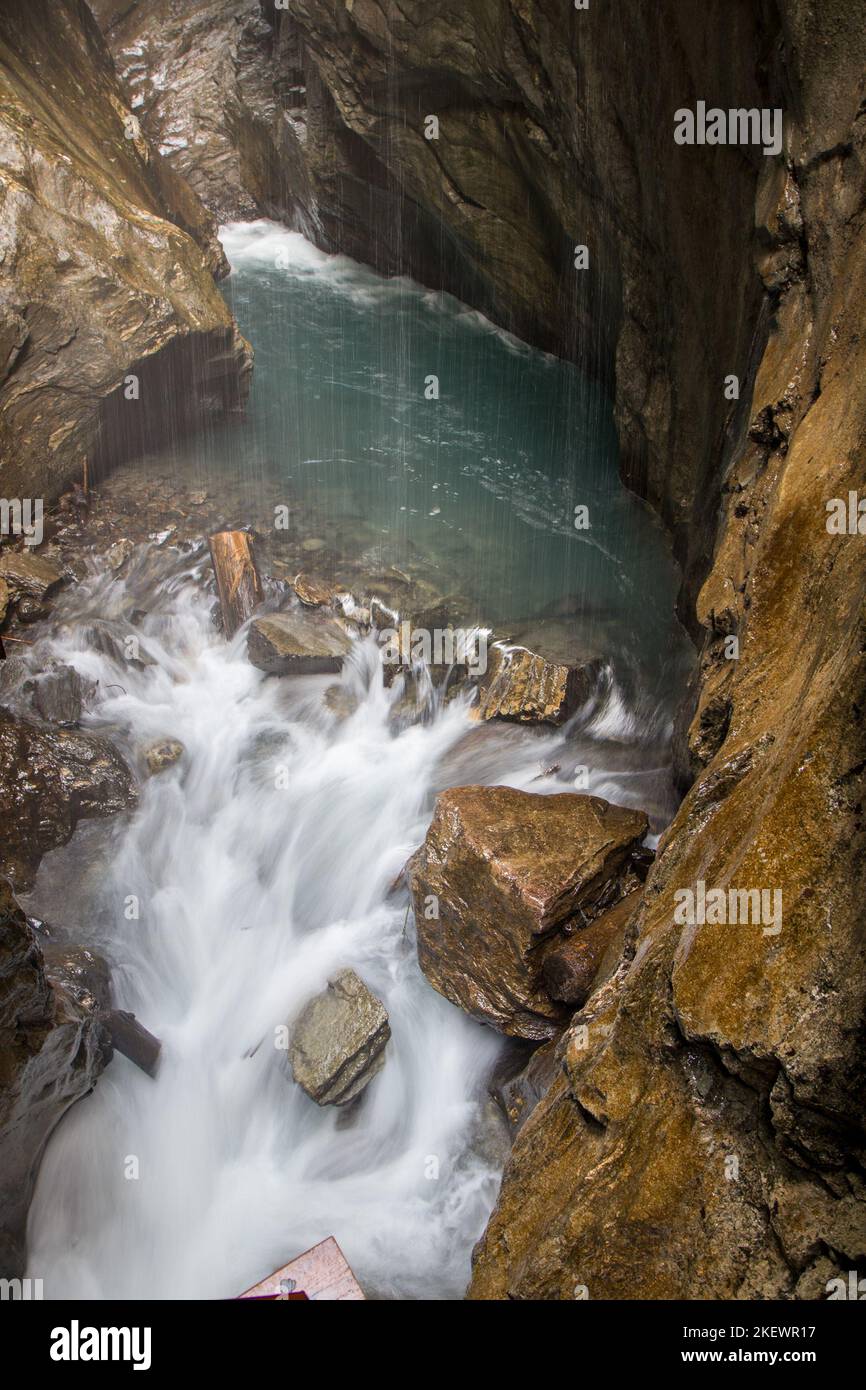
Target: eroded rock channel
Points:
(358, 779)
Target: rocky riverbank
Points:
(701, 1136)
(53, 1047)
(104, 560)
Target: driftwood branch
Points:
(238, 583)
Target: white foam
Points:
(265, 244)
(251, 898)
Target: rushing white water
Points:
(251, 897)
(263, 863)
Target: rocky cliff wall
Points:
(106, 265)
(53, 1048)
(555, 130)
(704, 1135)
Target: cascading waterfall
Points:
(251, 873)
(262, 865)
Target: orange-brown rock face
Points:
(499, 872)
(527, 688)
(589, 955)
(704, 1136)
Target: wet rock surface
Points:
(28, 574)
(198, 76)
(589, 955)
(311, 591)
(498, 874)
(163, 754)
(49, 779)
(297, 643)
(338, 1042)
(80, 972)
(59, 695)
(107, 268)
(518, 1093)
(524, 686)
(53, 1049)
(721, 1041)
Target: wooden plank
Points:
(238, 583)
(322, 1273)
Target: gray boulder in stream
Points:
(338, 1042)
(297, 642)
(59, 695)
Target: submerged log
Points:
(132, 1039)
(238, 583)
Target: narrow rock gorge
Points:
(550, 137)
(683, 1097)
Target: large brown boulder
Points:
(499, 872)
(52, 1047)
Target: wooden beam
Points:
(237, 576)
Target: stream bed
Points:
(263, 863)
